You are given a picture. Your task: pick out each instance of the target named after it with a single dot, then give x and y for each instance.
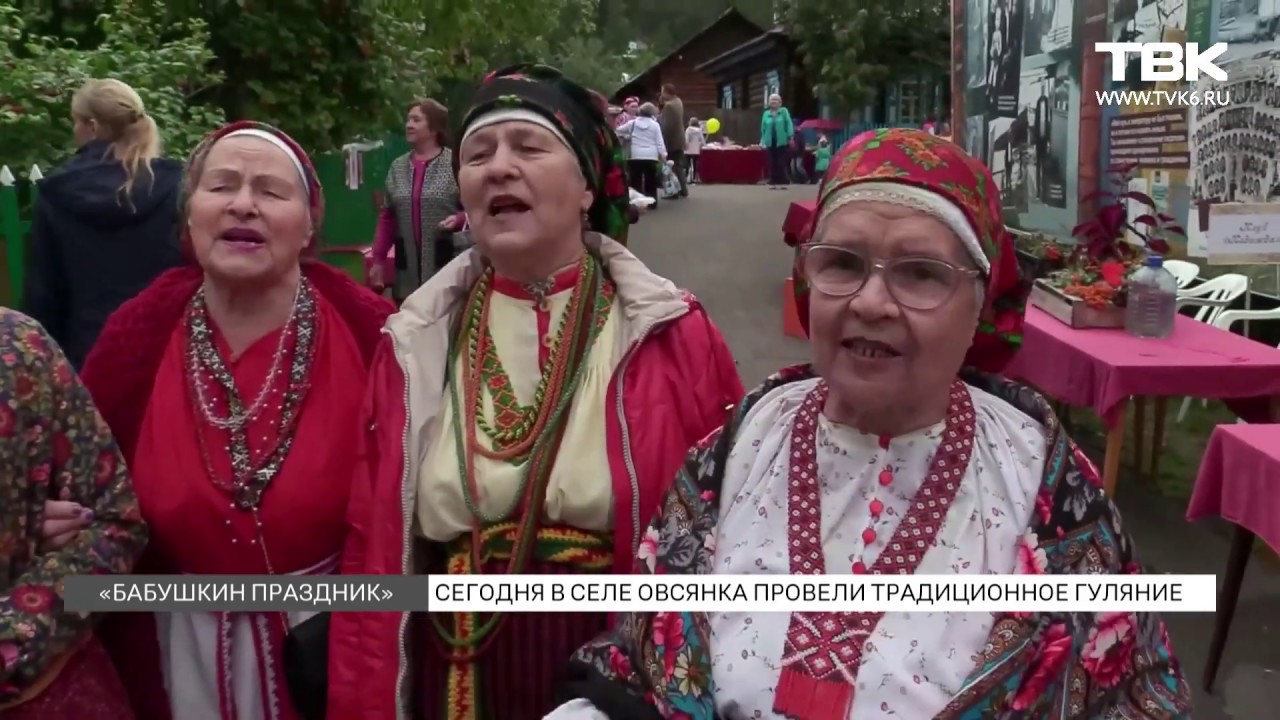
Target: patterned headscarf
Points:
(929, 163)
(580, 119)
(195, 167)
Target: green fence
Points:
(350, 214)
(17, 195)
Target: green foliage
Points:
(597, 66)
(168, 66)
(868, 44)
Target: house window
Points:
(726, 97)
(911, 102)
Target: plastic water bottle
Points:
(1152, 301)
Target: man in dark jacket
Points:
(672, 121)
(93, 247)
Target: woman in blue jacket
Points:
(776, 130)
(105, 223)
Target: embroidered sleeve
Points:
(70, 456)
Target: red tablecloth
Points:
(741, 166)
(795, 226)
(1239, 480)
(1102, 368)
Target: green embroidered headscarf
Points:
(580, 118)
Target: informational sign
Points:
(1151, 139)
(1243, 234)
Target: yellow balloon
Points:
(713, 126)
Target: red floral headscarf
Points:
(195, 166)
(916, 158)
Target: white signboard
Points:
(1243, 234)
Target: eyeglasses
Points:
(918, 283)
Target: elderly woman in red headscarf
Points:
(231, 385)
(914, 298)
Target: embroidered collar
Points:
(541, 290)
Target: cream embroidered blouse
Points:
(579, 493)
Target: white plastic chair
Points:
(1213, 296)
(1227, 318)
(1183, 272)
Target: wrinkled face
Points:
(416, 127)
(873, 352)
(248, 215)
(520, 186)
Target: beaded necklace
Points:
(251, 473)
(535, 449)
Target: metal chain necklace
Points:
(250, 475)
(235, 420)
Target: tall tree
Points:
(872, 43)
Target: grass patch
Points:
(1184, 443)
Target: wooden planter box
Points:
(1073, 311)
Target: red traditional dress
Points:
(237, 471)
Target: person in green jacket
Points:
(776, 130)
(821, 158)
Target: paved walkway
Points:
(724, 244)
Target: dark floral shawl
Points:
(1034, 665)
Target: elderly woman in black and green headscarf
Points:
(530, 406)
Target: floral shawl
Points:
(53, 446)
(1034, 665)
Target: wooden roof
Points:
(730, 15)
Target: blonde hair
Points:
(120, 118)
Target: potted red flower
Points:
(1089, 289)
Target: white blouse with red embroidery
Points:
(914, 663)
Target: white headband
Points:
(264, 135)
(516, 115)
(925, 201)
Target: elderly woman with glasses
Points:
(895, 452)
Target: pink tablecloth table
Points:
(1239, 481)
(1103, 369)
(736, 166)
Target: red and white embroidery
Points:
(822, 651)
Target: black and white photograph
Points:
(1148, 20)
(1047, 26)
(975, 135)
(1004, 57)
(1004, 158)
(1044, 109)
(1248, 27)
(975, 48)
(1234, 148)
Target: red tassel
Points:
(804, 697)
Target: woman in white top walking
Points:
(645, 151)
(693, 141)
